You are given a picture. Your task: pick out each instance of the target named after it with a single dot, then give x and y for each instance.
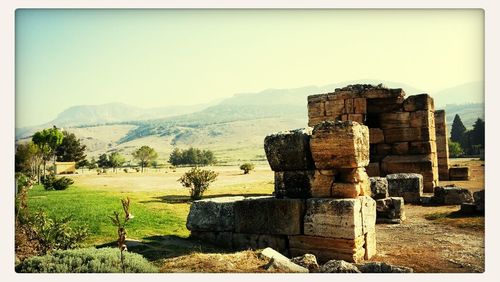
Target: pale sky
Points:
(152, 58)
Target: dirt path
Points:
(432, 246)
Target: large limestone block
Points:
(216, 214)
(421, 164)
(422, 147)
(379, 187)
(406, 185)
(322, 183)
(479, 200)
(409, 134)
(359, 118)
(289, 150)
(316, 105)
(334, 107)
(293, 184)
(422, 119)
(376, 135)
(384, 105)
(268, 215)
(440, 121)
(349, 106)
(370, 244)
(336, 144)
(339, 218)
(325, 249)
(394, 120)
(390, 210)
(459, 173)
(360, 105)
(452, 195)
(346, 190)
(400, 148)
(383, 149)
(418, 102)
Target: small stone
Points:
(308, 261)
(382, 267)
(278, 261)
(338, 266)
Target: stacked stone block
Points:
(289, 156)
(402, 132)
(442, 144)
(389, 209)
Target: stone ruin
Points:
(323, 202)
(406, 135)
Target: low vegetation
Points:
(198, 180)
(247, 167)
(51, 182)
(89, 260)
(192, 157)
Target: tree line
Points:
(466, 142)
(192, 157)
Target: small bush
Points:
(137, 169)
(247, 167)
(125, 170)
(88, 260)
(50, 182)
(56, 233)
(197, 180)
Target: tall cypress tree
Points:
(478, 132)
(458, 130)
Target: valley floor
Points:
(432, 239)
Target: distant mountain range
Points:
(241, 121)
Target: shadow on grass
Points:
(179, 199)
(156, 248)
(452, 215)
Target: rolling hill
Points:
(234, 128)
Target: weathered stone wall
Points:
(402, 132)
(442, 144)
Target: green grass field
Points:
(157, 211)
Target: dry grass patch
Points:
(240, 262)
(457, 219)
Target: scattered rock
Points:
(390, 210)
(382, 267)
(452, 195)
(278, 261)
(459, 173)
(308, 261)
(379, 187)
(338, 266)
(406, 185)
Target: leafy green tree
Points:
(48, 140)
(28, 159)
(144, 155)
(175, 157)
(455, 149)
(198, 181)
(192, 156)
(103, 161)
(458, 130)
(70, 149)
(247, 167)
(116, 160)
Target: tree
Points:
(70, 149)
(92, 164)
(192, 156)
(144, 155)
(478, 133)
(103, 161)
(455, 149)
(198, 181)
(458, 130)
(247, 167)
(48, 140)
(116, 160)
(28, 159)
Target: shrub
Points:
(50, 182)
(198, 181)
(247, 167)
(455, 149)
(88, 260)
(125, 170)
(56, 233)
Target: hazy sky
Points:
(154, 58)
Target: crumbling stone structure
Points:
(402, 131)
(442, 145)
